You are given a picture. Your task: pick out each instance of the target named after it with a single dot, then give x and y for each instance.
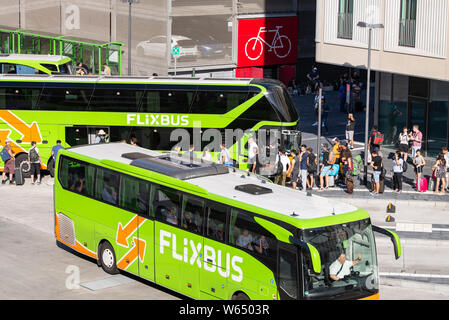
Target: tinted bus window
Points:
(51, 67)
(288, 275)
(248, 234)
(192, 214)
(167, 101)
(77, 176)
(116, 100)
(64, 99)
(19, 98)
(166, 205)
(134, 194)
(107, 186)
(216, 222)
(261, 110)
(216, 102)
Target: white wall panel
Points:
(364, 10)
(431, 28)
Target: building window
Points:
(345, 19)
(407, 24)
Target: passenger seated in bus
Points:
(108, 193)
(245, 240)
(76, 183)
(261, 245)
(189, 223)
(235, 234)
(219, 233)
(171, 216)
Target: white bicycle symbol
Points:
(279, 44)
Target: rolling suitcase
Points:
(421, 184)
(333, 172)
(19, 178)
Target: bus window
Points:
(107, 186)
(8, 68)
(213, 102)
(216, 222)
(63, 98)
(115, 100)
(76, 176)
(192, 214)
(134, 195)
(288, 275)
(249, 235)
(20, 98)
(166, 205)
(167, 101)
(261, 110)
(66, 68)
(51, 67)
(21, 69)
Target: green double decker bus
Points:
(74, 109)
(210, 231)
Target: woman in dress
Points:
(440, 174)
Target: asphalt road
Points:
(33, 267)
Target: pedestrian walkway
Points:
(337, 125)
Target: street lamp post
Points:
(130, 2)
(368, 87)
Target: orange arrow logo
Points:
(4, 134)
(123, 233)
(138, 250)
(29, 133)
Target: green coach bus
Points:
(210, 231)
(73, 109)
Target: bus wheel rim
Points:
(108, 258)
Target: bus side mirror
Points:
(313, 252)
(394, 239)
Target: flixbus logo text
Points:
(155, 119)
(192, 254)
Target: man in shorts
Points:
(350, 128)
(325, 167)
(35, 162)
(376, 163)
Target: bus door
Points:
(215, 270)
(97, 134)
(288, 272)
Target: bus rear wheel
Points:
(107, 258)
(240, 296)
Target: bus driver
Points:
(341, 267)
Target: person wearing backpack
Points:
(311, 168)
(375, 140)
(398, 170)
(34, 158)
(282, 162)
(8, 158)
(348, 167)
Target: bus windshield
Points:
(348, 258)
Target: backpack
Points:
(404, 166)
(312, 163)
(5, 155)
(34, 156)
(378, 138)
(280, 167)
(357, 164)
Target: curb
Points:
(425, 203)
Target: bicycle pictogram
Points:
(281, 44)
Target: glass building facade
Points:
(405, 101)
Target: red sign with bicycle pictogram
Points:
(267, 41)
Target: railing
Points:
(345, 25)
(407, 32)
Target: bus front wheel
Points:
(107, 258)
